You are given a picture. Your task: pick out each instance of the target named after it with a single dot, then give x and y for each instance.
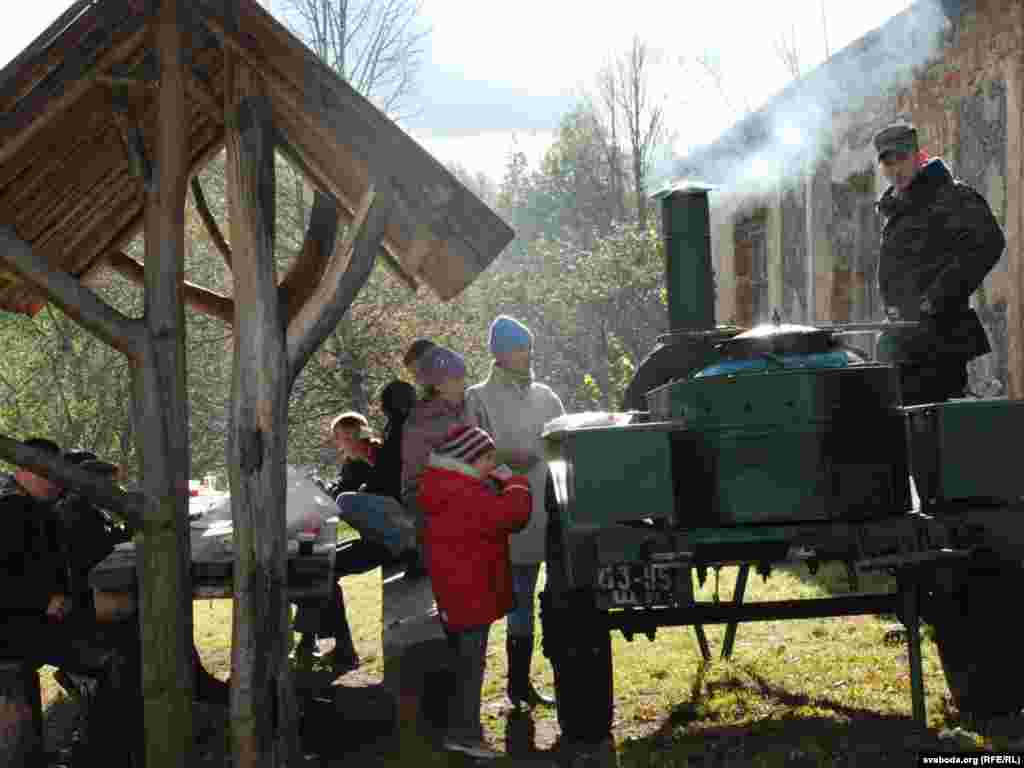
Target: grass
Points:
(821, 692)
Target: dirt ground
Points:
(347, 721)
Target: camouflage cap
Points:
(79, 456)
(100, 467)
(901, 137)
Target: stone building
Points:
(793, 223)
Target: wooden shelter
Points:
(104, 120)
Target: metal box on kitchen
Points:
(967, 449)
(798, 445)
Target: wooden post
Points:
(263, 709)
(165, 587)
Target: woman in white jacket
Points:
(512, 407)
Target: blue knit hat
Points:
(508, 335)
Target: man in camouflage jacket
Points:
(939, 241)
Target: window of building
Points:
(751, 262)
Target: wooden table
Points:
(309, 576)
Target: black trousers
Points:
(933, 382)
(109, 653)
(326, 616)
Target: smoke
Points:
(788, 137)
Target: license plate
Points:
(638, 583)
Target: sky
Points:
(498, 76)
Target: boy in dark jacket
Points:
(470, 508)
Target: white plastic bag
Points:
(306, 506)
(586, 419)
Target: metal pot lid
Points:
(785, 339)
(771, 329)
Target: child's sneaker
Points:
(473, 747)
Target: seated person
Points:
(41, 625)
(94, 533)
(375, 511)
(357, 447)
(325, 618)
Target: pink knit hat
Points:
(439, 365)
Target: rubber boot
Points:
(520, 688)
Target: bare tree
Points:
(480, 184)
(709, 67)
(376, 45)
(788, 51)
(642, 114)
(606, 119)
(824, 30)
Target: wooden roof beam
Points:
(199, 298)
(78, 302)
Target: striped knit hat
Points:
(465, 444)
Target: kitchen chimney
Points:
(687, 236)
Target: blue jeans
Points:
(524, 584)
(380, 519)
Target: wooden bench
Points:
(415, 649)
(21, 715)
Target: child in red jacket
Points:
(470, 508)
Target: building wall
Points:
(967, 104)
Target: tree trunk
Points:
(638, 180)
(263, 710)
(163, 566)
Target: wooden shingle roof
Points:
(75, 99)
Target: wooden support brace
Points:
(78, 302)
(305, 273)
(199, 298)
(350, 265)
(322, 183)
(203, 208)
